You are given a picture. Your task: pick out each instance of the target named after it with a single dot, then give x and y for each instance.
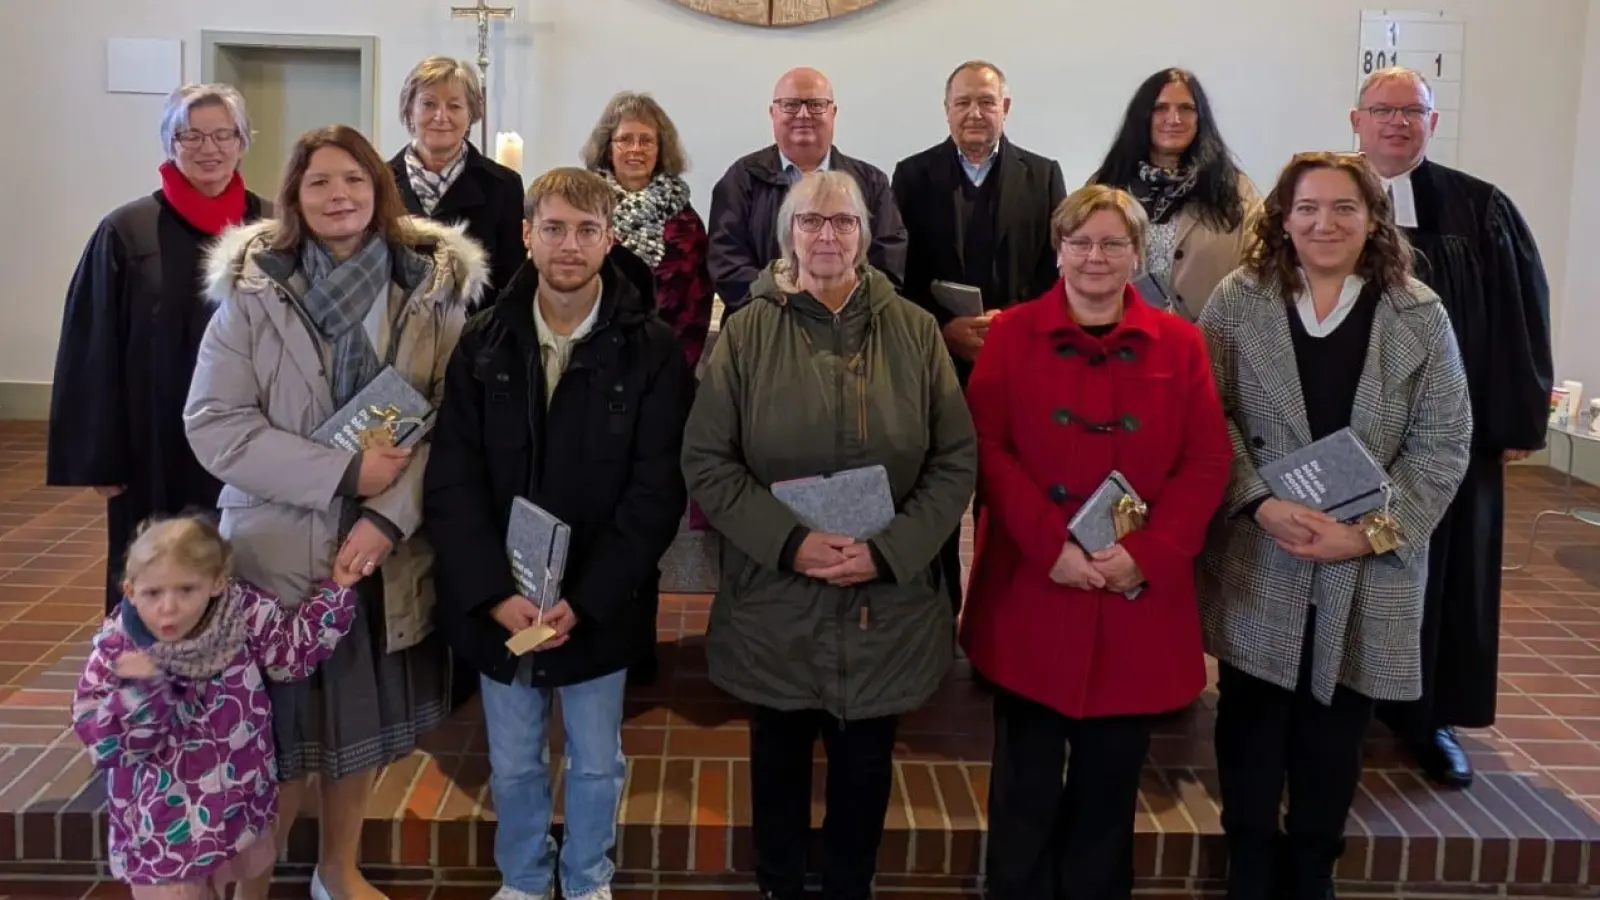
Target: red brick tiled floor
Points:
(1528, 823)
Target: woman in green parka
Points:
(827, 369)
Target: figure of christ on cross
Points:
(483, 12)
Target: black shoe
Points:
(1443, 760)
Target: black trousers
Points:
(860, 772)
(1050, 838)
(1269, 738)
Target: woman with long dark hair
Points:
(1171, 157)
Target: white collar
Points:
(1402, 197)
(547, 335)
(1348, 295)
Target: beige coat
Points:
(259, 388)
(1205, 256)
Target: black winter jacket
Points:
(603, 457)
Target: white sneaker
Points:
(603, 893)
(319, 891)
(507, 892)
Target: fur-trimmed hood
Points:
(460, 264)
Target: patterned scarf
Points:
(215, 643)
(1162, 191)
(338, 301)
(430, 186)
(641, 215)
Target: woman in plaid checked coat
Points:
(1312, 621)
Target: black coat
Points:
(488, 197)
(131, 329)
(927, 187)
(604, 458)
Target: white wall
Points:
(1578, 325)
(1280, 73)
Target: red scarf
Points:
(209, 214)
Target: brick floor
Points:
(1529, 823)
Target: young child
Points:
(173, 707)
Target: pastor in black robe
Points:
(135, 313)
(1474, 249)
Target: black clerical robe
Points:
(131, 330)
(1473, 248)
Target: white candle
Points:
(508, 150)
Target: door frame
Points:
(214, 43)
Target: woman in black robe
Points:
(132, 326)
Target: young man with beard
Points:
(569, 392)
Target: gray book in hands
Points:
(1113, 510)
(960, 300)
(1335, 475)
(387, 412)
(536, 544)
(856, 503)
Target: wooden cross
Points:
(483, 12)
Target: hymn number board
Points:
(1432, 43)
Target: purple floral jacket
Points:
(190, 764)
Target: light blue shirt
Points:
(978, 171)
(793, 171)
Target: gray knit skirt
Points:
(362, 708)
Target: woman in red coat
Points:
(1082, 382)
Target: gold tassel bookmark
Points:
(1128, 515)
(1382, 528)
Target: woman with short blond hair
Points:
(443, 176)
(1086, 635)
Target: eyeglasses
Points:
(642, 141)
(790, 106)
(554, 234)
(193, 139)
(843, 223)
(1112, 248)
(1407, 114)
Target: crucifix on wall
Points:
(483, 12)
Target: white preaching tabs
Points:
(1402, 199)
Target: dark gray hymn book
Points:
(388, 411)
(1094, 525)
(958, 299)
(536, 543)
(1335, 475)
(1154, 290)
(856, 503)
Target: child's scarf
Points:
(215, 644)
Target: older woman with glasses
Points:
(134, 317)
(1086, 626)
(442, 176)
(636, 148)
(1313, 619)
(825, 632)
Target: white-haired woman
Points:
(828, 369)
(442, 176)
(133, 321)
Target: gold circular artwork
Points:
(776, 13)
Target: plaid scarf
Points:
(431, 186)
(642, 215)
(340, 296)
(204, 654)
(1162, 191)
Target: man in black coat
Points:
(1474, 249)
(568, 392)
(977, 212)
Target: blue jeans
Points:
(519, 778)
